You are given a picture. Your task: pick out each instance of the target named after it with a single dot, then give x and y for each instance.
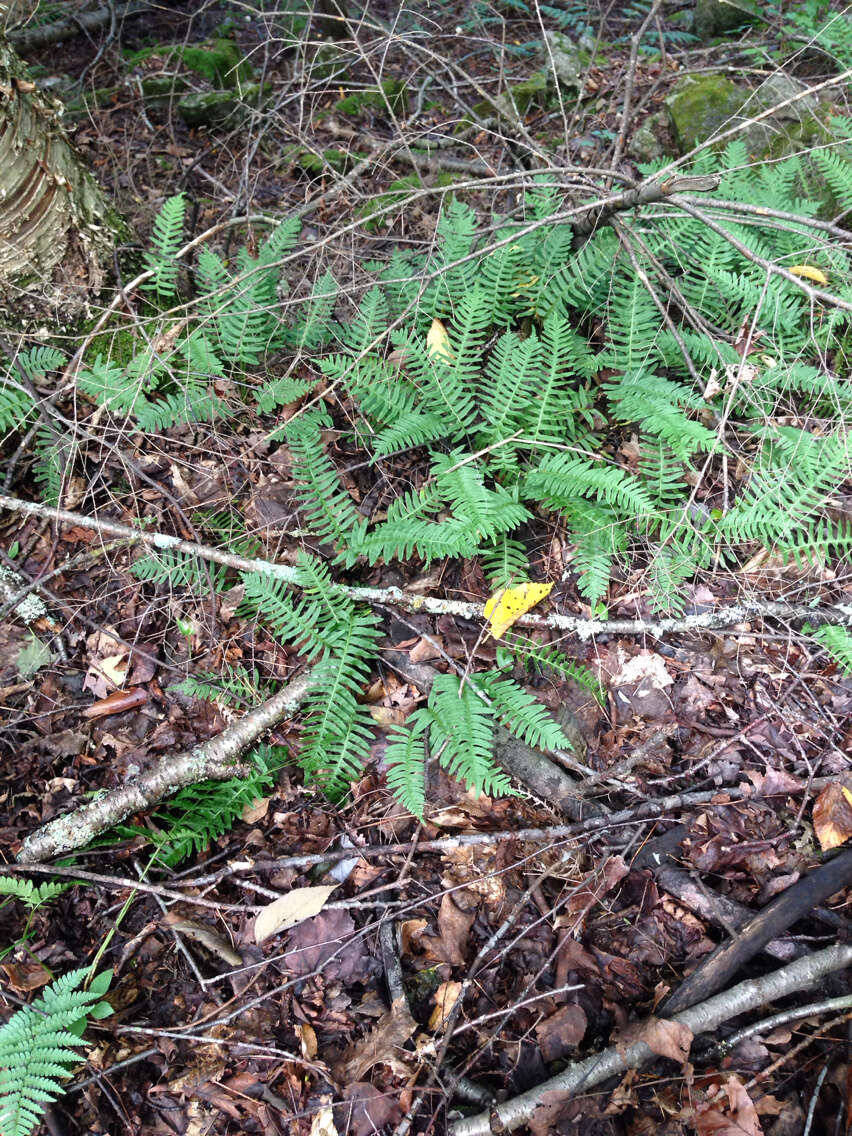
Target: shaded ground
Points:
(567, 937)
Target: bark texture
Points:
(57, 230)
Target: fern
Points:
(165, 242)
(405, 757)
(198, 815)
(30, 894)
(838, 642)
(39, 1047)
(461, 735)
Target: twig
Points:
(214, 759)
(798, 900)
(703, 1018)
(583, 629)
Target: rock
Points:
(699, 108)
(393, 93)
(159, 90)
(715, 17)
(647, 143)
(519, 97)
(220, 62)
(565, 60)
(215, 108)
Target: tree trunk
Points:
(57, 231)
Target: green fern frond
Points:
(544, 658)
(405, 757)
(505, 563)
(521, 713)
(28, 893)
(838, 642)
(330, 511)
(461, 735)
(39, 1047)
(166, 239)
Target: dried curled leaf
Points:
(438, 342)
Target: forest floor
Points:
(562, 934)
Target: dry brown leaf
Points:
(445, 997)
(832, 817)
(290, 909)
(561, 1032)
(205, 935)
(454, 925)
(735, 1116)
(668, 1038)
(383, 1044)
(308, 1040)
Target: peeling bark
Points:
(57, 230)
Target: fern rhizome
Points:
(654, 390)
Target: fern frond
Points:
(165, 242)
(405, 757)
(838, 642)
(521, 713)
(39, 1047)
(461, 735)
(28, 893)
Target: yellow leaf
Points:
(509, 604)
(810, 272)
(846, 794)
(438, 342)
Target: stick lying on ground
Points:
(213, 760)
(704, 1018)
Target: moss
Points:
(316, 164)
(700, 107)
(392, 93)
(394, 195)
(212, 108)
(219, 61)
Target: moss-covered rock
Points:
(220, 62)
(716, 17)
(159, 90)
(392, 93)
(649, 140)
(700, 107)
(217, 108)
(318, 164)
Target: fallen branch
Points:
(212, 760)
(584, 629)
(776, 918)
(26, 39)
(704, 1018)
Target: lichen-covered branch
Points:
(216, 759)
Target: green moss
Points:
(392, 93)
(394, 195)
(698, 108)
(221, 63)
(316, 164)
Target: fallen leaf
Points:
(290, 909)
(667, 1038)
(208, 938)
(366, 1110)
(383, 1044)
(810, 273)
(323, 1123)
(308, 1040)
(561, 1032)
(507, 605)
(117, 703)
(454, 925)
(832, 817)
(438, 342)
(317, 944)
(735, 1116)
(445, 997)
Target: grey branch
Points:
(213, 760)
(583, 629)
(27, 39)
(703, 1018)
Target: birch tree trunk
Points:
(57, 230)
